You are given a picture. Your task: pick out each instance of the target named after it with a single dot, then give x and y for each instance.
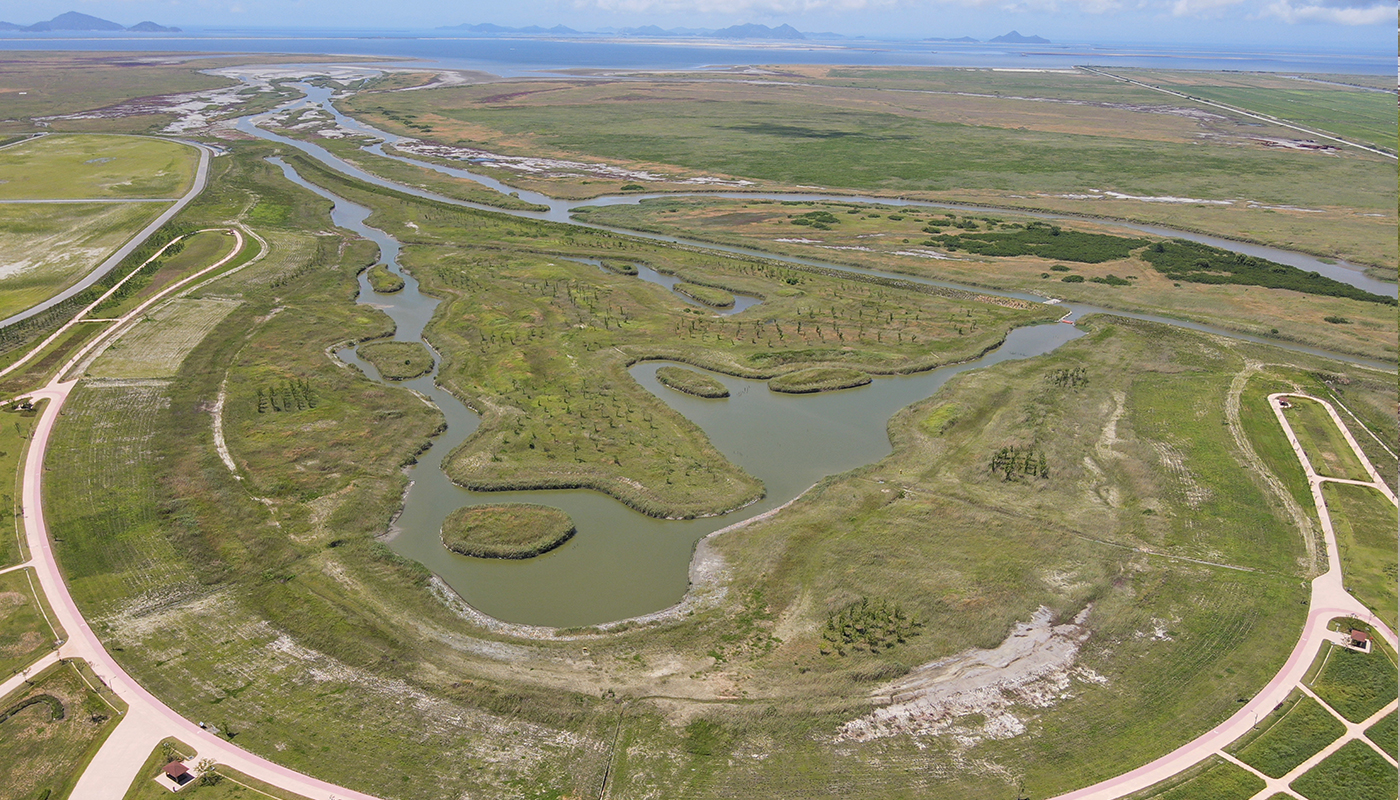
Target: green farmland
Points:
(75, 166)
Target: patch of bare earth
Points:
(1034, 667)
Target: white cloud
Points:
(1337, 14)
(1201, 8)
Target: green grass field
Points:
(1357, 114)
(46, 248)
(25, 632)
(383, 281)
(1354, 772)
(1384, 734)
(1356, 684)
(191, 254)
(1324, 444)
(1219, 780)
(15, 427)
(45, 748)
(709, 295)
(76, 166)
(1302, 731)
(1365, 524)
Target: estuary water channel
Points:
(622, 563)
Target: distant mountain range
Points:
(749, 31)
(73, 21)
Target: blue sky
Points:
(1364, 25)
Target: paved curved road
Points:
(201, 177)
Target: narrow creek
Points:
(622, 563)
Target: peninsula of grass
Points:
(508, 530)
(1304, 729)
(688, 381)
(619, 267)
(818, 379)
(383, 281)
(397, 361)
(709, 295)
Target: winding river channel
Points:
(622, 563)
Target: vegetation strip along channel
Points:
(1230, 324)
(616, 546)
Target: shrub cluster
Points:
(1182, 260)
(1069, 378)
(296, 395)
(866, 624)
(1011, 462)
(1040, 239)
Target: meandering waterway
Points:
(623, 563)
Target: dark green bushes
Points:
(1181, 260)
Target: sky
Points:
(1363, 25)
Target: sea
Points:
(519, 56)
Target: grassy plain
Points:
(1327, 449)
(895, 240)
(510, 530)
(1292, 738)
(1354, 113)
(1356, 684)
(47, 247)
(45, 748)
(691, 382)
(878, 136)
(1365, 524)
(398, 361)
(1384, 734)
(25, 633)
(78, 166)
(15, 427)
(159, 342)
(1355, 772)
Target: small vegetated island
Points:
(398, 361)
(818, 379)
(508, 530)
(383, 281)
(709, 295)
(688, 381)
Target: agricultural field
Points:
(1125, 145)
(1365, 524)
(50, 729)
(45, 248)
(1355, 113)
(78, 167)
(25, 632)
(157, 344)
(1072, 260)
(1302, 729)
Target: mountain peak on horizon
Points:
(755, 31)
(1017, 38)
